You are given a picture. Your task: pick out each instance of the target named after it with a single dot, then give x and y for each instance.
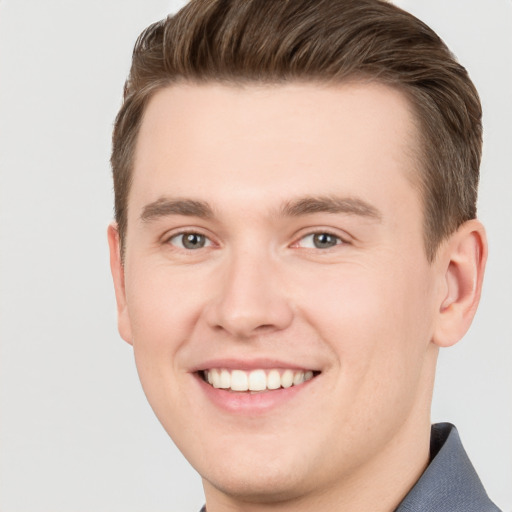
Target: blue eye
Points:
(320, 241)
(190, 241)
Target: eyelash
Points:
(183, 234)
(209, 242)
(337, 238)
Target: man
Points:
(295, 239)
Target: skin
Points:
(368, 313)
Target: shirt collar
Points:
(450, 482)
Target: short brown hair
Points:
(278, 41)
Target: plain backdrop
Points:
(76, 433)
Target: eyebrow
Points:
(330, 204)
(164, 207)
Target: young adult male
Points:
(295, 239)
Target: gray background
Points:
(76, 433)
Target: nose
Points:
(251, 299)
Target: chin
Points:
(254, 472)
(262, 485)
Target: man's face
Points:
(274, 233)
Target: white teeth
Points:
(239, 381)
(225, 379)
(273, 380)
(298, 378)
(287, 379)
(256, 380)
(215, 378)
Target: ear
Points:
(117, 269)
(462, 262)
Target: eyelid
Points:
(174, 233)
(208, 242)
(342, 237)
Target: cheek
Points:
(369, 319)
(375, 320)
(163, 307)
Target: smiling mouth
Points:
(255, 380)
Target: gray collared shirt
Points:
(450, 483)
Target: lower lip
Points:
(251, 403)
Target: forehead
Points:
(216, 141)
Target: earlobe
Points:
(464, 257)
(117, 269)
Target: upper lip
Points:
(250, 364)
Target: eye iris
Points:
(324, 240)
(193, 241)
